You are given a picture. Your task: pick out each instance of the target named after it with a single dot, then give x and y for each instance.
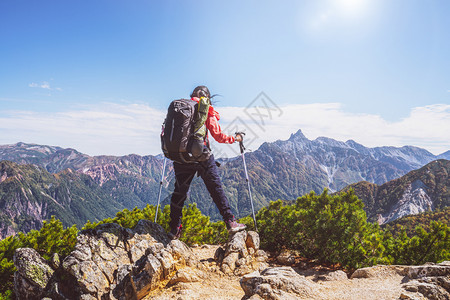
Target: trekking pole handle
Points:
(241, 142)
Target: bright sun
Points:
(352, 7)
(332, 14)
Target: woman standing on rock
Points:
(206, 168)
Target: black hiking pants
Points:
(184, 173)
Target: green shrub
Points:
(197, 228)
(275, 226)
(331, 229)
(51, 238)
(7, 268)
(432, 246)
(334, 229)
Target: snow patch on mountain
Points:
(330, 171)
(413, 201)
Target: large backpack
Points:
(184, 131)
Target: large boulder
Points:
(108, 262)
(430, 280)
(429, 270)
(241, 254)
(33, 274)
(379, 271)
(279, 283)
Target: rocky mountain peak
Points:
(35, 147)
(297, 136)
(23, 152)
(356, 146)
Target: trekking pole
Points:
(160, 187)
(241, 146)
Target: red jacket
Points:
(212, 123)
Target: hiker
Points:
(206, 169)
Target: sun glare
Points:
(352, 7)
(333, 14)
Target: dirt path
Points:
(363, 288)
(211, 283)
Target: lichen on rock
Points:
(33, 272)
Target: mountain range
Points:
(287, 169)
(29, 194)
(278, 170)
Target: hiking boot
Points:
(233, 226)
(175, 234)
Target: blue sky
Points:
(98, 75)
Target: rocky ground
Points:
(380, 282)
(111, 262)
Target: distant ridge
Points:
(425, 189)
(278, 170)
(29, 194)
(445, 155)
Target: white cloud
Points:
(102, 129)
(44, 85)
(119, 129)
